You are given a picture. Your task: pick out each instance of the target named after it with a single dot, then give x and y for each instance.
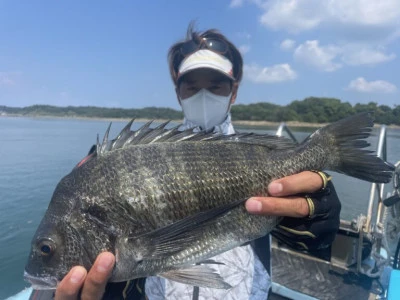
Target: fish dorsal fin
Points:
(160, 134)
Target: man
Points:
(206, 70)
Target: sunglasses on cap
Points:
(215, 45)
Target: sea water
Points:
(35, 153)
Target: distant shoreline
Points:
(235, 122)
(294, 124)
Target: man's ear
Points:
(235, 87)
(177, 95)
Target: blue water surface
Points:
(35, 153)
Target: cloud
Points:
(364, 12)
(273, 74)
(6, 79)
(236, 3)
(330, 58)
(244, 49)
(355, 55)
(350, 19)
(378, 86)
(290, 15)
(319, 57)
(287, 44)
(300, 15)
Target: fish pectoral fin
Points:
(198, 275)
(176, 236)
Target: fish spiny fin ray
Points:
(160, 134)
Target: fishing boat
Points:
(363, 261)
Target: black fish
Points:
(163, 200)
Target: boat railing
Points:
(371, 225)
(284, 128)
(377, 190)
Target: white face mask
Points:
(206, 109)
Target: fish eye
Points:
(46, 247)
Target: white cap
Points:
(205, 58)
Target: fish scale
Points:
(163, 200)
(212, 193)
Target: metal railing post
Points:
(380, 152)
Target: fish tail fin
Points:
(344, 141)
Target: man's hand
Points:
(78, 284)
(301, 228)
(281, 202)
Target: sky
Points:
(114, 53)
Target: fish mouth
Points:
(41, 283)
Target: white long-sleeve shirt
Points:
(241, 268)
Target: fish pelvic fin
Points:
(198, 275)
(344, 142)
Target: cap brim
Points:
(180, 75)
(206, 59)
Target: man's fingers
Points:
(98, 276)
(304, 182)
(288, 207)
(93, 283)
(69, 287)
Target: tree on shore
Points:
(310, 110)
